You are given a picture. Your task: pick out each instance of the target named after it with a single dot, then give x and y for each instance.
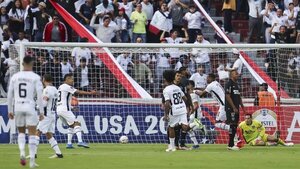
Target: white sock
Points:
(37, 140)
(172, 142)
(193, 137)
(32, 147)
(70, 135)
(77, 130)
(192, 125)
(21, 143)
(223, 126)
(54, 145)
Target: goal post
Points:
(115, 112)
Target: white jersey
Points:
(25, 90)
(200, 80)
(175, 94)
(51, 93)
(196, 98)
(217, 91)
(65, 93)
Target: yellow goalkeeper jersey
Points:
(251, 132)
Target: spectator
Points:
(55, 31)
(268, 13)
(3, 70)
(277, 21)
(238, 64)
(161, 22)
(125, 61)
(182, 62)
(103, 9)
(128, 6)
(217, 36)
(22, 38)
(291, 13)
(16, 17)
(142, 74)
(282, 36)
(201, 55)
(123, 24)
(86, 13)
(105, 32)
(3, 17)
(139, 21)
(28, 18)
(144, 56)
(177, 10)
(80, 52)
(263, 97)
(82, 76)
(163, 61)
(148, 9)
(199, 78)
(56, 71)
(66, 67)
(228, 7)
(194, 19)
(174, 39)
(77, 6)
(5, 44)
(255, 6)
(42, 18)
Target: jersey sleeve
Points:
(194, 97)
(46, 96)
(10, 96)
(71, 89)
(166, 94)
(208, 88)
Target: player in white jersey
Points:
(175, 108)
(65, 92)
(218, 93)
(25, 90)
(47, 125)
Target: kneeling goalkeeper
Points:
(254, 133)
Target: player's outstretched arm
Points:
(92, 92)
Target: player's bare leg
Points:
(21, 144)
(32, 145)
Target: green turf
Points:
(153, 156)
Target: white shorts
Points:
(67, 117)
(192, 116)
(47, 125)
(26, 119)
(221, 116)
(178, 119)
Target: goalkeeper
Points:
(254, 133)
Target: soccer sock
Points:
(32, 146)
(182, 138)
(281, 142)
(37, 139)
(232, 132)
(21, 143)
(168, 137)
(54, 145)
(223, 126)
(193, 137)
(177, 134)
(70, 135)
(172, 142)
(77, 130)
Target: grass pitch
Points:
(153, 156)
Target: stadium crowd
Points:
(141, 21)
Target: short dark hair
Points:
(48, 78)
(68, 75)
(211, 75)
(265, 85)
(190, 82)
(83, 59)
(27, 60)
(169, 75)
(183, 68)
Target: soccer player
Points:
(254, 133)
(233, 101)
(65, 92)
(175, 108)
(25, 90)
(218, 93)
(47, 125)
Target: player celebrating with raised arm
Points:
(254, 133)
(65, 92)
(218, 93)
(25, 90)
(47, 125)
(175, 108)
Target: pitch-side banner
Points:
(144, 124)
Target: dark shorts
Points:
(232, 118)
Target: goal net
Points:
(129, 78)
